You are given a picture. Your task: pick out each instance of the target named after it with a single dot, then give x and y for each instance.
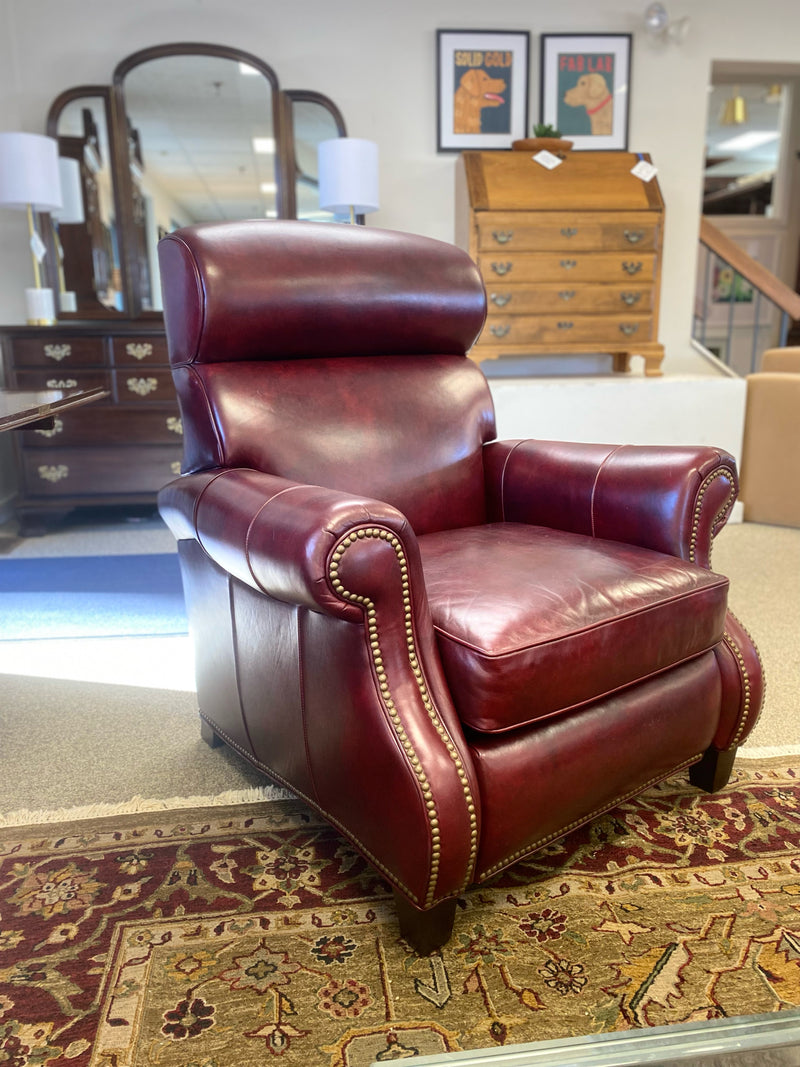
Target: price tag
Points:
(547, 159)
(38, 247)
(644, 170)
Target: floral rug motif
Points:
(227, 937)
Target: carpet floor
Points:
(229, 937)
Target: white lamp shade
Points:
(348, 175)
(71, 191)
(29, 171)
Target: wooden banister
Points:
(750, 269)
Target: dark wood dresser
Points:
(571, 257)
(118, 451)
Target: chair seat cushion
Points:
(532, 622)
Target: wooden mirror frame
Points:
(116, 117)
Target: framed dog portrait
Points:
(585, 87)
(482, 87)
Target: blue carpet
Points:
(91, 596)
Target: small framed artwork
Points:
(482, 78)
(585, 87)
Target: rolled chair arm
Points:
(671, 499)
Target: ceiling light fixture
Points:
(734, 110)
(659, 26)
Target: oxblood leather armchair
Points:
(455, 648)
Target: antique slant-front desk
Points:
(571, 257)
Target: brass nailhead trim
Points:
(743, 720)
(584, 819)
(720, 472)
(408, 748)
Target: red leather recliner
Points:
(455, 648)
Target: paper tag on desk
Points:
(644, 170)
(547, 159)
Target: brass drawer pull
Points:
(567, 294)
(629, 328)
(630, 298)
(58, 352)
(499, 331)
(502, 268)
(568, 231)
(142, 386)
(53, 473)
(568, 264)
(175, 425)
(61, 383)
(631, 268)
(502, 236)
(634, 236)
(139, 349)
(57, 427)
(500, 299)
(565, 325)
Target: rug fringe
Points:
(254, 795)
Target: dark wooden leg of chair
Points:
(713, 770)
(208, 735)
(425, 931)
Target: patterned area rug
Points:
(227, 937)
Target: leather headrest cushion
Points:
(263, 289)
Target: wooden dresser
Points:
(118, 451)
(571, 257)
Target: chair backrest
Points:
(332, 355)
(781, 360)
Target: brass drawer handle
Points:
(502, 236)
(139, 349)
(57, 427)
(175, 425)
(631, 268)
(565, 325)
(568, 264)
(502, 268)
(634, 236)
(629, 328)
(567, 294)
(58, 352)
(142, 386)
(500, 299)
(499, 331)
(568, 231)
(61, 383)
(630, 298)
(53, 473)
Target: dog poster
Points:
(483, 89)
(585, 88)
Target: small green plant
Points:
(544, 129)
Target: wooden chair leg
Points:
(208, 735)
(713, 770)
(425, 931)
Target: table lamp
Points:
(348, 176)
(29, 180)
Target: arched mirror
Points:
(86, 231)
(187, 133)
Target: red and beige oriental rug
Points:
(228, 937)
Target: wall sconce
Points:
(348, 176)
(734, 110)
(30, 181)
(659, 27)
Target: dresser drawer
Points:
(568, 231)
(144, 385)
(567, 330)
(520, 299)
(57, 352)
(139, 351)
(64, 378)
(567, 267)
(76, 471)
(109, 426)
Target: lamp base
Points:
(40, 306)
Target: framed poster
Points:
(585, 87)
(482, 78)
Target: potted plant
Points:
(545, 138)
